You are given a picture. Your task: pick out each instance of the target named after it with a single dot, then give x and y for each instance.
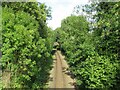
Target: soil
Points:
(6, 79)
(60, 76)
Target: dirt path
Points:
(60, 77)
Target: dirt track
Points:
(60, 76)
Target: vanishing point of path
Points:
(60, 76)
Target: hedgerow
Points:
(25, 53)
(92, 57)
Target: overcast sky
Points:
(61, 9)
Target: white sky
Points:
(61, 9)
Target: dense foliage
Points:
(39, 11)
(90, 43)
(26, 44)
(0, 45)
(92, 50)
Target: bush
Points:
(96, 72)
(24, 52)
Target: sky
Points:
(61, 9)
